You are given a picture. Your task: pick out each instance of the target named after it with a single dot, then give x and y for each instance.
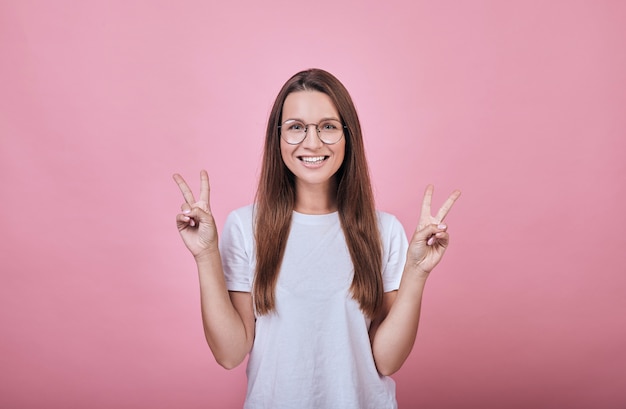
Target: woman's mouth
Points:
(313, 160)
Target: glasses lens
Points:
(293, 132)
(330, 131)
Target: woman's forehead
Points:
(309, 106)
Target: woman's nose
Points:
(311, 137)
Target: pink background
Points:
(521, 104)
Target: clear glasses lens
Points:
(294, 132)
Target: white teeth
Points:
(315, 159)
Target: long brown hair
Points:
(276, 196)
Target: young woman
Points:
(322, 291)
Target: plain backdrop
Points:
(520, 104)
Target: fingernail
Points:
(430, 241)
(187, 211)
(442, 226)
(192, 223)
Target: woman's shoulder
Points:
(243, 211)
(385, 218)
(242, 216)
(389, 225)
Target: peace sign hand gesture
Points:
(196, 224)
(430, 240)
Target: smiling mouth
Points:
(313, 160)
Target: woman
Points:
(321, 290)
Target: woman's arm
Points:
(228, 318)
(393, 332)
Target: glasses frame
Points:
(317, 131)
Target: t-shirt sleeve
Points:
(236, 252)
(395, 246)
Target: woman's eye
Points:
(328, 126)
(296, 127)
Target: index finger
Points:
(426, 202)
(443, 211)
(204, 186)
(184, 188)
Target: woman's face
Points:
(312, 161)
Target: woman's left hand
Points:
(430, 240)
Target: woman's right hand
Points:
(195, 222)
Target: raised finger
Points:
(184, 188)
(205, 189)
(426, 202)
(443, 211)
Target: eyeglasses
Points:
(329, 131)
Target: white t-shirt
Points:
(314, 351)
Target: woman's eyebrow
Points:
(322, 119)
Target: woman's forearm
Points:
(228, 334)
(394, 338)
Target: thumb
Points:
(428, 232)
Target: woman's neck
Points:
(316, 199)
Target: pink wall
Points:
(521, 104)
